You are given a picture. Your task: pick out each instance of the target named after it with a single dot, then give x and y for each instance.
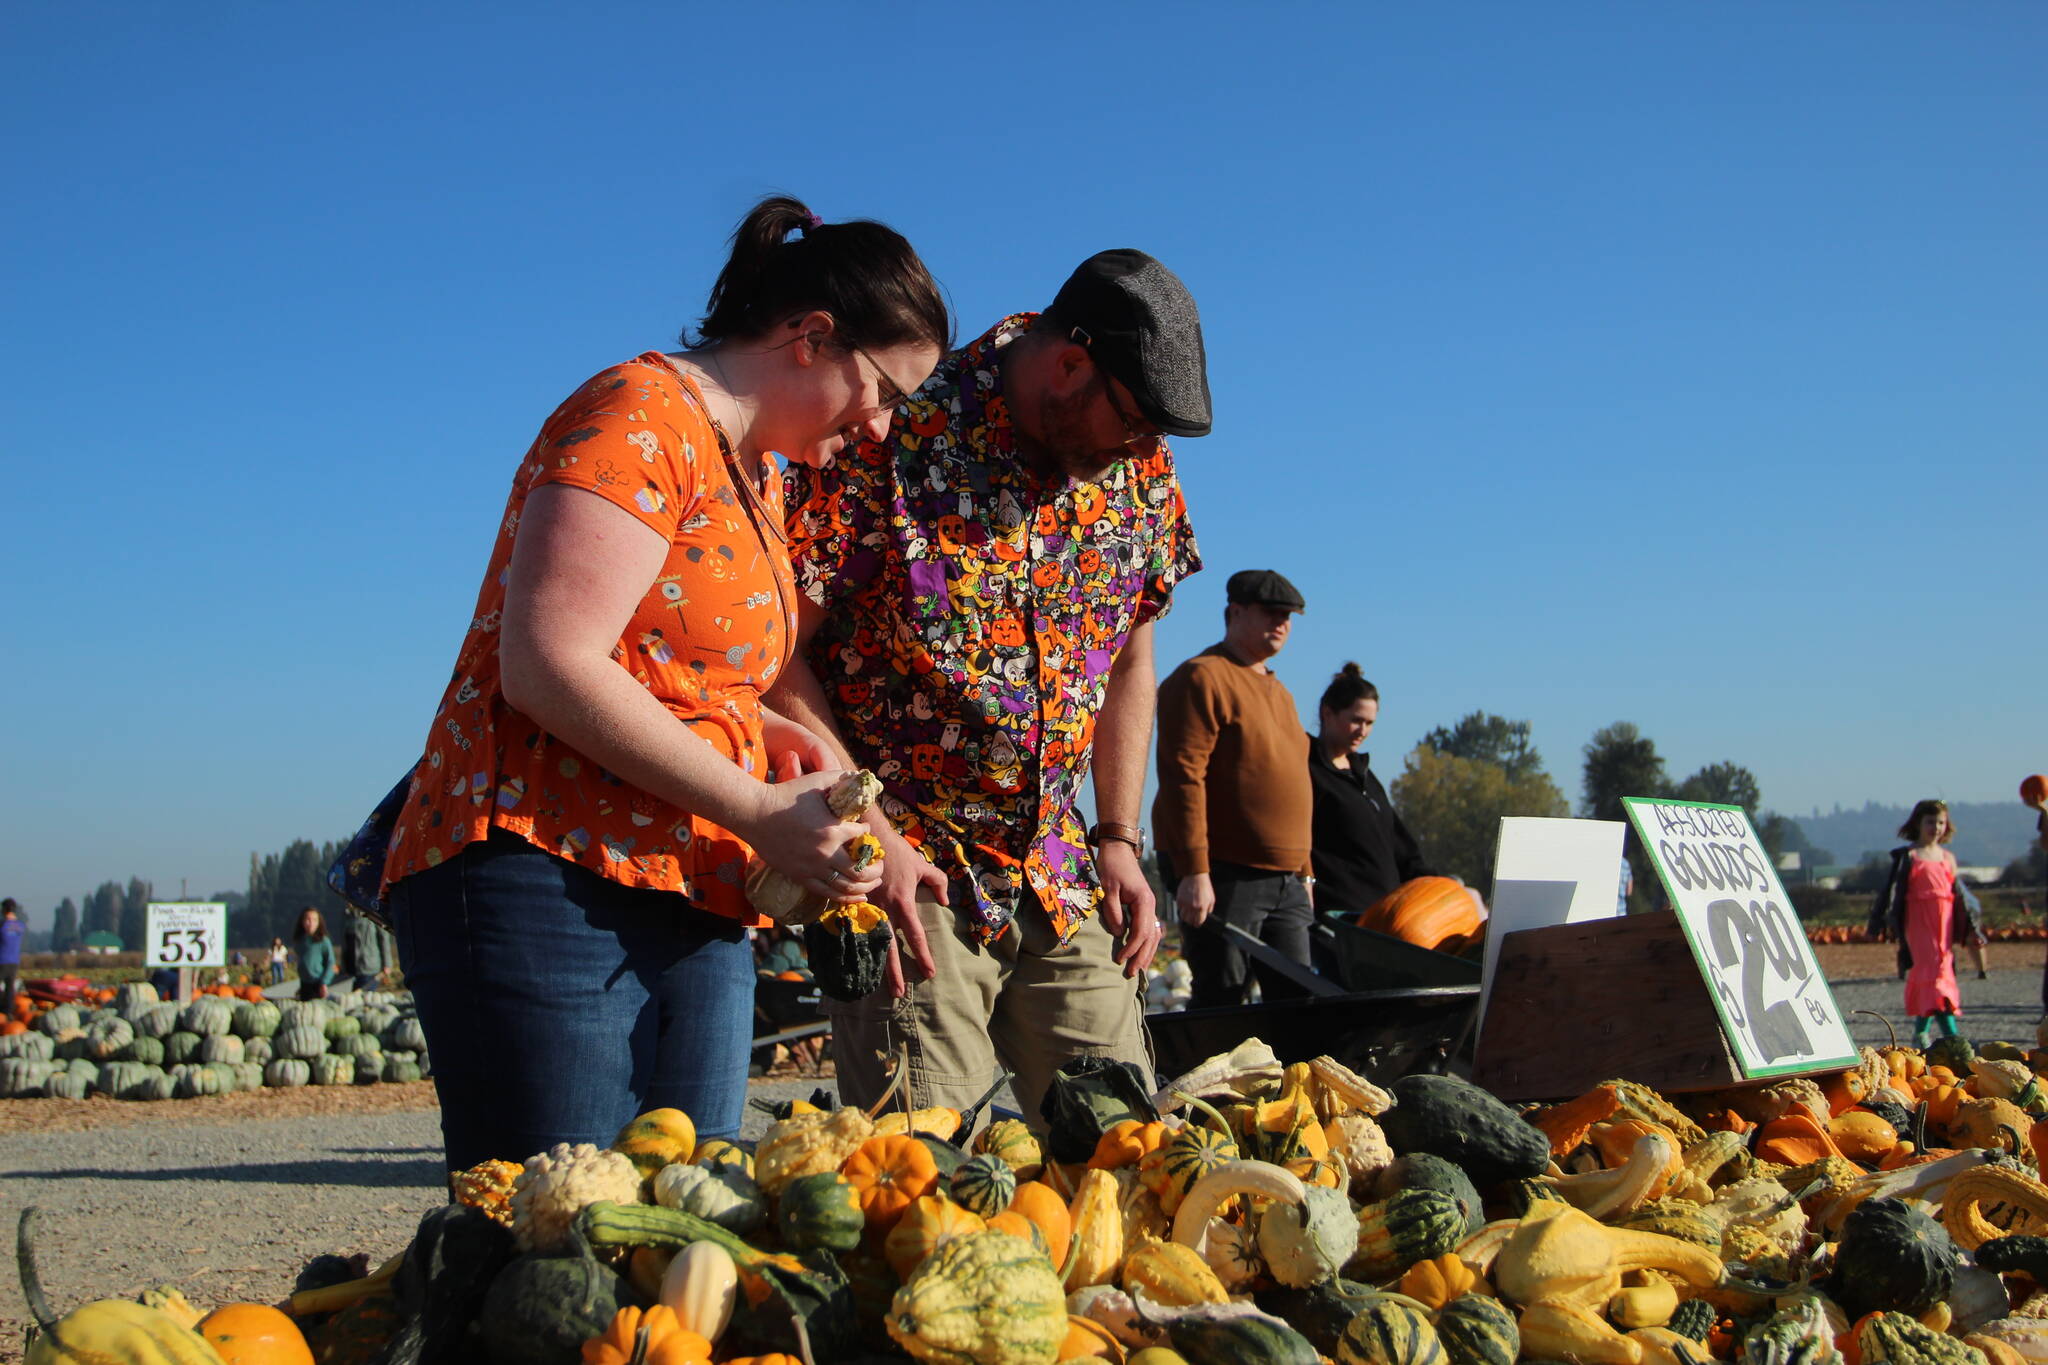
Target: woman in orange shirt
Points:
(566, 874)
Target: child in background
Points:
(1917, 909)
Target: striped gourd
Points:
(1409, 1226)
(1015, 1144)
(333, 1069)
(1694, 1319)
(1390, 1331)
(984, 1185)
(1478, 1329)
(1175, 1166)
(285, 1073)
(719, 1152)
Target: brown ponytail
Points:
(786, 261)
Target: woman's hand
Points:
(792, 749)
(796, 833)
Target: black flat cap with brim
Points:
(1263, 587)
(1139, 321)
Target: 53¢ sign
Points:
(1775, 1005)
(186, 934)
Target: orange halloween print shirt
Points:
(708, 639)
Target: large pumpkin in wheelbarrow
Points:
(1430, 912)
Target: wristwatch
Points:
(1122, 834)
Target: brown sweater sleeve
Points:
(1188, 719)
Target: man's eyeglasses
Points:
(890, 393)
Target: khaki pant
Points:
(1026, 1002)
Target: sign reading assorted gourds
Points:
(1774, 1002)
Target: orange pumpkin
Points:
(930, 1220)
(1426, 911)
(2034, 790)
(254, 1334)
(1040, 1203)
(12, 1026)
(1794, 1140)
(668, 1341)
(1124, 1143)
(1845, 1090)
(889, 1172)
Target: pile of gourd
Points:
(1257, 1213)
(141, 1048)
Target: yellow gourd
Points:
(1098, 1232)
(1171, 1274)
(106, 1331)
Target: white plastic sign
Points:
(186, 934)
(1550, 871)
(1775, 1005)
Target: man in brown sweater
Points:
(1235, 806)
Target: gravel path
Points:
(228, 1198)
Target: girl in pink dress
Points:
(1918, 908)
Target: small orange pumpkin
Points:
(1125, 1143)
(254, 1334)
(1425, 911)
(889, 1172)
(667, 1342)
(1794, 1140)
(1040, 1203)
(2034, 790)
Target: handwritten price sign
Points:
(186, 934)
(1775, 1005)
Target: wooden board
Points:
(1577, 1004)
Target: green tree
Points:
(1722, 784)
(103, 909)
(1492, 739)
(135, 913)
(1455, 806)
(64, 927)
(1620, 761)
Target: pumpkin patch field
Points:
(1248, 1211)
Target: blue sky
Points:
(1679, 364)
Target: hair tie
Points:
(812, 222)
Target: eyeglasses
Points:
(1135, 428)
(889, 393)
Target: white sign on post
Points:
(1550, 871)
(186, 934)
(1775, 1005)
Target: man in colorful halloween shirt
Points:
(979, 596)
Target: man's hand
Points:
(1129, 910)
(1194, 899)
(904, 870)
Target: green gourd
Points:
(181, 1047)
(987, 1296)
(1456, 1120)
(220, 1047)
(1411, 1226)
(341, 1026)
(207, 1014)
(1421, 1170)
(255, 1019)
(1478, 1329)
(1391, 1331)
(541, 1309)
(67, 1085)
(303, 1041)
(258, 1050)
(286, 1073)
(1694, 1319)
(1891, 1258)
(332, 1069)
(983, 1185)
(1319, 1312)
(400, 1068)
(820, 1211)
(106, 1038)
(1308, 1242)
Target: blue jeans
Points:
(558, 1005)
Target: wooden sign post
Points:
(1722, 991)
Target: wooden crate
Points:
(1577, 1004)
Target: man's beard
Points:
(1065, 445)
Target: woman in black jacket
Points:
(1360, 848)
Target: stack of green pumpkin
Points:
(140, 1048)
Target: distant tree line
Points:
(280, 886)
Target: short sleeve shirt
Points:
(972, 613)
(708, 638)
